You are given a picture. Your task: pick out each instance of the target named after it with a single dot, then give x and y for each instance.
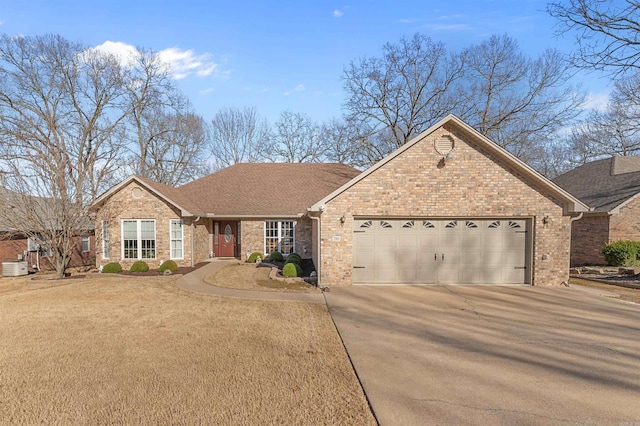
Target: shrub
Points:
(276, 257)
(253, 258)
(290, 270)
(295, 256)
(622, 253)
(139, 266)
(112, 268)
(168, 265)
(293, 259)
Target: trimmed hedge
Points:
(293, 259)
(139, 266)
(253, 258)
(622, 253)
(168, 265)
(276, 257)
(112, 268)
(290, 270)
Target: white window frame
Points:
(279, 234)
(171, 239)
(139, 239)
(105, 239)
(84, 239)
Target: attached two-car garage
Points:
(441, 251)
(448, 207)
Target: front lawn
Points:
(140, 351)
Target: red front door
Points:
(226, 239)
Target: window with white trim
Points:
(105, 239)
(177, 239)
(85, 243)
(280, 236)
(138, 239)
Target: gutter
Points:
(572, 219)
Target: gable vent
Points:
(444, 145)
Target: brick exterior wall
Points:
(11, 248)
(472, 184)
(123, 205)
(251, 237)
(625, 224)
(203, 239)
(588, 236)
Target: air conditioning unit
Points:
(14, 269)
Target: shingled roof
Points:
(265, 189)
(603, 184)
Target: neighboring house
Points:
(610, 187)
(16, 246)
(450, 206)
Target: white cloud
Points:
(298, 88)
(126, 53)
(337, 13)
(1, 22)
(207, 90)
(183, 63)
(597, 101)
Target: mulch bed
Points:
(307, 266)
(154, 272)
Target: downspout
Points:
(318, 266)
(572, 219)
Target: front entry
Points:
(225, 237)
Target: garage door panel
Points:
(363, 276)
(364, 241)
(406, 257)
(447, 251)
(408, 241)
(514, 276)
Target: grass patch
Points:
(622, 293)
(115, 350)
(249, 276)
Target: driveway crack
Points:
(467, 302)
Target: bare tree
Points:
(606, 32)
(340, 141)
(236, 135)
(615, 131)
(518, 102)
(295, 139)
(177, 156)
(404, 90)
(161, 122)
(60, 108)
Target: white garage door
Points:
(440, 251)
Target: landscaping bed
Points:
(252, 276)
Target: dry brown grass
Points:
(114, 350)
(248, 276)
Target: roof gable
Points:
(169, 194)
(606, 184)
(571, 204)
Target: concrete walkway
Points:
(194, 282)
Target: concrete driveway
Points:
(492, 355)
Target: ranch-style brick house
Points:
(450, 206)
(611, 188)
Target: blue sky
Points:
(281, 55)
